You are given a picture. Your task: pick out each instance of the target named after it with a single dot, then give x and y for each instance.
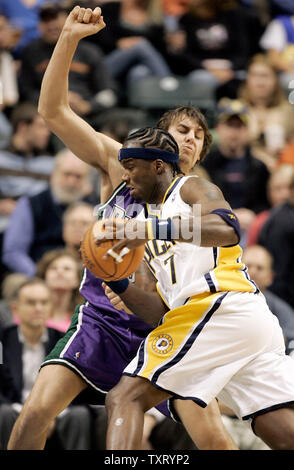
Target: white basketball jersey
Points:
(184, 269)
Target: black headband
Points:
(146, 153)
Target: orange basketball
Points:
(108, 270)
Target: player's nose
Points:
(126, 177)
(190, 136)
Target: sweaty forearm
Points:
(207, 230)
(146, 305)
(54, 89)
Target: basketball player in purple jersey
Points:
(101, 340)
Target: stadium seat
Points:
(152, 93)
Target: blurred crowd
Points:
(240, 54)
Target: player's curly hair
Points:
(173, 115)
(153, 137)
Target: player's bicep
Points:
(92, 147)
(203, 194)
(106, 187)
(213, 199)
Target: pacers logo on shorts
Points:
(162, 344)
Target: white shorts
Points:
(225, 345)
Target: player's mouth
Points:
(135, 193)
(132, 190)
(189, 148)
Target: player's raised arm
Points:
(94, 148)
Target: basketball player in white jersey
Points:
(217, 337)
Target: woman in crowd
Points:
(278, 191)
(271, 117)
(62, 272)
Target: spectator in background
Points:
(146, 37)
(175, 8)
(259, 263)
(271, 117)
(61, 270)
(278, 43)
(174, 33)
(232, 167)
(216, 45)
(8, 392)
(287, 154)
(25, 165)
(118, 127)
(261, 8)
(24, 349)
(277, 237)
(281, 7)
(35, 226)
(8, 69)
(278, 191)
(260, 267)
(134, 43)
(24, 16)
(76, 220)
(9, 289)
(8, 80)
(91, 87)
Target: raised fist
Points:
(82, 22)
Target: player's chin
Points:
(187, 160)
(184, 162)
(136, 194)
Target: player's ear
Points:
(158, 166)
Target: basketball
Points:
(107, 269)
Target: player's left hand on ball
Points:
(118, 229)
(130, 234)
(111, 229)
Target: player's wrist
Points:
(68, 35)
(118, 287)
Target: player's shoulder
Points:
(196, 187)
